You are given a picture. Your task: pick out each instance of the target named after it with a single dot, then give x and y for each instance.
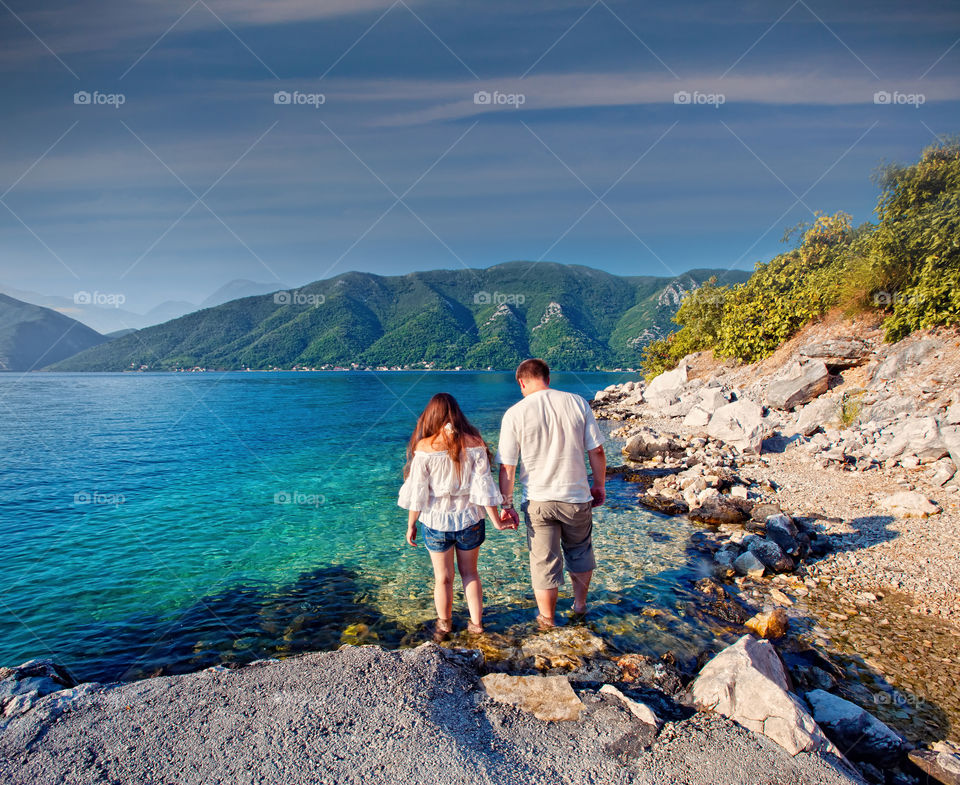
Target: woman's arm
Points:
(494, 516)
(412, 516)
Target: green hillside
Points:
(576, 318)
(32, 336)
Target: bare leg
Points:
(443, 582)
(581, 584)
(472, 589)
(546, 602)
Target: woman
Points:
(448, 485)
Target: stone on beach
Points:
(838, 353)
(646, 443)
(808, 382)
(748, 564)
(909, 504)
(739, 424)
(858, 733)
(769, 625)
(639, 710)
(548, 698)
(664, 388)
(747, 683)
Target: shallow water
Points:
(165, 522)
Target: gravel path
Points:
(364, 715)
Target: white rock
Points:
(665, 387)
(696, 418)
(739, 424)
(909, 504)
(746, 682)
(815, 414)
(748, 564)
(811, 381)
(639, 710)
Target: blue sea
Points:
(162, 523)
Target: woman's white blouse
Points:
(445, 502)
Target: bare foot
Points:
(474, 629)
(544, 623)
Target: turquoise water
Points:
(166, 522)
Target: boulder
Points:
(942, 762)
(664, 504)
(549, 698)
(769, 625)
(646, 443)
(696, 418)
(816, 414)
(902, 358)
(712, 398)
(952, 415)
(918, 436)
(664, 389)
(717, 509)
(838, 353)
(950, 436)
(739, 424)
(748, 564)
(770, 554)
(909, 504)
(782, 530)
(809, 382)
(859, 734)
(746, 682)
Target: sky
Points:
(157, 150)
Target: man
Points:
(549, 431)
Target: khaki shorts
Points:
(555, 529)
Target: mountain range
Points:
(574, 317)
(114, 318)
(32, 336)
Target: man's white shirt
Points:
(547, 434)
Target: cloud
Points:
(456, 99)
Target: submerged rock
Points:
(655, 674)
(562, 647)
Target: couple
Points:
(448, 486)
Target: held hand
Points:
(599, 495)
(510, 519)
(412, 536)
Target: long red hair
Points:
(443, 410)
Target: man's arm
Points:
(598, 467)
(508, 475)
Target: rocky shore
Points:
(424, 715)
(825, 478)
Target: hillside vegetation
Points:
(907, 265)
(576, 318)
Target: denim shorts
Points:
(465, 539)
